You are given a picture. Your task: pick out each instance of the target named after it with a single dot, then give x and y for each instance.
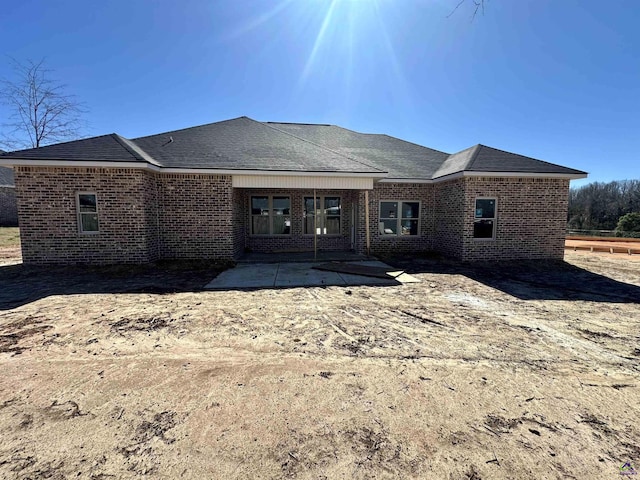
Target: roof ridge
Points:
(298, 123)
(320, 146)
(135, 150)
(388, 136)
(407, 141)
(474, 156)
(193, 127)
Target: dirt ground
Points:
(523, 371)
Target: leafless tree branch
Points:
(478, 4)
(39, 112)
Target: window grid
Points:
(485, 218)
(270, 215)
(399, 218)
(87, 208)
(328, 209)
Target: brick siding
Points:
(196, 216)
(387, 244)
(48, 215)
(142, 216)
(145, 216)
(8, 207)
(531, 218)
(449, 218)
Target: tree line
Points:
(600, 205)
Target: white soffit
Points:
(287, 181)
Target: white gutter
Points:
(213, 171)
(156, 168)
(569, 176)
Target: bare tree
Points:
(478, 7)
(38, 110)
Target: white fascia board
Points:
(73, 163)
(155, 168)
(405, 180)
(278, 173)
(571, 176)
(453, 176)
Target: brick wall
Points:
(145, 216)
(46, 199)
(196, 215)
(8, 207)
(239, 226)
(386, 244)
(142, 216)
(531, 221)
(449, 217)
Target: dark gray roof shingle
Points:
(245, 144)
(489, 159)
(400, 158)
(110, 148)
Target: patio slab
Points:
(293, 274)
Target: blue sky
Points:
(557, 80)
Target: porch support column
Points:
(366, 221)
(315, 227)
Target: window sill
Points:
(271, 235)
(323, 235)
(399, 236)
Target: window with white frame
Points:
(399, 218)
(325, 215)
(270, 215)
(87, 206)
(484, 224)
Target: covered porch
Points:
(304, 215)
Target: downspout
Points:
(315, 227)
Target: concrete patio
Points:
(300, 274)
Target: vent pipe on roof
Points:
(168, 141)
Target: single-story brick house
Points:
(8, 205)
(219, 190)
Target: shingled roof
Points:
(400, 158)
(105, 148)
(244, 144)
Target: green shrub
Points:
(629, 223)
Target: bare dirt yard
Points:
(519, 371)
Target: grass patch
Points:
(9, 237)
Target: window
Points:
(484, 224)
(270, 215)
(87, 212)
(325, 215)
(399, 218)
